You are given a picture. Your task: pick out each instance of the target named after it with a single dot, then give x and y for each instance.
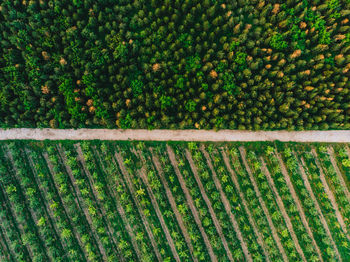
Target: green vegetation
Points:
(137, 201)
(175, 64)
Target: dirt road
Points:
(340, 136)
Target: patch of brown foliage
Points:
(63, 61)
(156, 67)
(90, 102)
(45, 89)
(213, 74)
(276, 8)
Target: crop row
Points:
(134, 201)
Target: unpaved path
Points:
(298, 204)
(330, 194)
(245, 204)
(190, 203)
(82, 202)
(262, 204)
(69, 219)
(138, 205)
(173, 204)
(155, 205)
(282, 208)
(227, 206)
(102, 213)
(311, 193)
(336, 136)
(120, 209)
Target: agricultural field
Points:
(175, 64)
(154, 201)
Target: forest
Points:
(175, 64)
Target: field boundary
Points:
(331, 136)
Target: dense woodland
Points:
(203, 64)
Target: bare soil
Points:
(102, 211)
(138, 205)
(282, 209)
(75, 232)
(227, 206)
(311, 193)
(173, 204)
(154, 202)
(330, 195)
(262, 203)
(120, 209)
(298, 204)
(82, 203)
(245, 204)
(190, 203)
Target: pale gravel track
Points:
(282, 208)
(298, 204)
(336, 136)
(245, 204)
(302, 165)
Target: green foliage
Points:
(233, 45)
(190, 105)
(347, 38)
(78, 63)
(165, 101)
(74, 108)
(184, 39)
(229, 84)
(329, 60)
(126, 122)
(193, 62)
(219, 122)
(335, 7)
(116, 45)
(221, 67)
(136, 87)
(180, 83)
(278, 42)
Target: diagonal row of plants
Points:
(135, 201)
